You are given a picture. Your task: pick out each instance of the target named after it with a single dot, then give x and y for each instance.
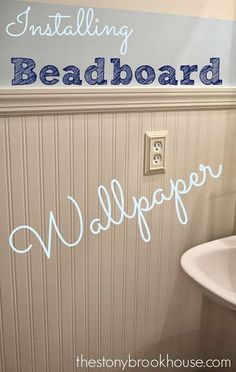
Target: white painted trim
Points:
(72, 100)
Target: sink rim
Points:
(189, 263)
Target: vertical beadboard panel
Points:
(48, 168)
(142, 258)
(34, 264)
(92, 247)
(19, 271)
(79, 255)
(113, 294)
(8, 332)
(105, 241)
(120, 141)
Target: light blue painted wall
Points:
(157, 40)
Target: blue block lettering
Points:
(213, 70)
(99, 72)
(73, 76)
(118, 70)
(150, 75)
(23, 71)
(48, 72)
(167, 78)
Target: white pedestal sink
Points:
(213, 266)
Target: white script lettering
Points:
(140, 206)
(85, 25)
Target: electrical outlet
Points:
(155, 146)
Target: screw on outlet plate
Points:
(155, 146)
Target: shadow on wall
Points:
(230, 160)
(213, 335)
(218, 333)
(177, 331)
(218, 324)
(222, 202)
(232, 66)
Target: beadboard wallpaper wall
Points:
(113, 295)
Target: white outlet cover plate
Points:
(149, 166)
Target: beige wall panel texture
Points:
(113, 295)
(197, 8)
